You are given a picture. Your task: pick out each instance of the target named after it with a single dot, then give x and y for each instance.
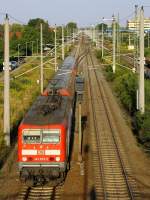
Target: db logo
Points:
(40, 152)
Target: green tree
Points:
(16, 27)
(48, 34)
(99, 27)
(14, 41)
(71, 26)
(142, 125)
(36, 23)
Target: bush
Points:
(147, 52)
(109, 73)
(142, 122)
(25, 81)
(125, 87)
(98, 53)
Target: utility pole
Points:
(114, 45)
(6, 84)
(141, 75)
(102, 39)
(41, 71)
(63, 46)
(55, 49)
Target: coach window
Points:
(51, 136)
(31, 136)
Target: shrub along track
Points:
(113, 176)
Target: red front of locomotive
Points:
(42, 151)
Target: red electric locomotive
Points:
(44, 133)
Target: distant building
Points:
(134, 25)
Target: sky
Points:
(83, 12)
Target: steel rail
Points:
(130, 193)
(113, 135)
(96, 130)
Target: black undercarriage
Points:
(41, 176)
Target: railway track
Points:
(40, 193)
(113, 176)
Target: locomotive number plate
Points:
(40, 152)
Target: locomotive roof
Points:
(42, 114)
(44, 110)
(63, 74)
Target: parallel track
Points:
(113, 177)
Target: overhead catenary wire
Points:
(17, 20)
(127, 17)
(14, 18)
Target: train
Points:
(44, 134)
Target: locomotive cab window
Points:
(36, 136)
(51, 136)
(31, 136)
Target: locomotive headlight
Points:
(57, 158)
(24, 159)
